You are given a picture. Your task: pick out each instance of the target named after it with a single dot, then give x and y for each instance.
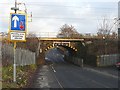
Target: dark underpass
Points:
(57, 54)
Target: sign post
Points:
(14, 64)
(17, 32)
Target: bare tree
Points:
(68, 31)
(106, 28)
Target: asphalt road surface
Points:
(65, 75)
(60, 74)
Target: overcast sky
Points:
(50, 15)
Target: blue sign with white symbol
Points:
(18, 22)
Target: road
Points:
(55, 55)
(65, 75)
(60, 74)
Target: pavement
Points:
(108, 70)
(45, 78)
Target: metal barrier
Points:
(107, 60)
(23, 57)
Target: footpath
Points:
(44, 78)
(109, 71)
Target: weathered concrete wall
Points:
(107, 60)
(75, 60)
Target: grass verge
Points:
(24, 75)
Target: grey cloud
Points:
(71, 12)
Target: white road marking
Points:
(53, 69)
(58, 81)
(55, 76)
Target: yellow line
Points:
(58, 39)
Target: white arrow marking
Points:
(15, 19)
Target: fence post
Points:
(82, 63)
(98, 63)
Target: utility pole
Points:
(119, 28)
(119, 20)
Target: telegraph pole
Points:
(119, 28)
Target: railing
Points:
(43, 34)
(23, 57)
(54, 34)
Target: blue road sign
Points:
(18, 22)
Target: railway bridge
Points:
(74, 46)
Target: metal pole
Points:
(15, 5)
(14, 65)
(119, 28)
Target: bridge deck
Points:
(59, 39)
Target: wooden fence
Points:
(22, 57)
